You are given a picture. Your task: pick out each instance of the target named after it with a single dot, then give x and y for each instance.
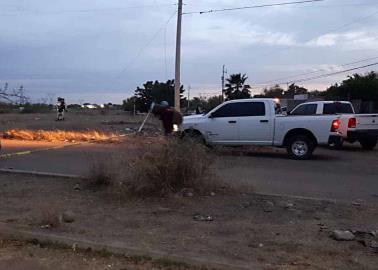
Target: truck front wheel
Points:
(368, 143)
(300, 147)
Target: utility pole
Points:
(224, 71)
(178, 57)
(189, 88)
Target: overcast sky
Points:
(100, 51)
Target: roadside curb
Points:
(115, 247)
(43, 174)
(79, 177)
(296, 197)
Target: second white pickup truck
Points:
(260, 122)
(353, 127)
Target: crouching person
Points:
(168, 116)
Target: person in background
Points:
(61, 109)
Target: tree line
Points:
(358, 86)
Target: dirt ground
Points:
(111, 121)
(240, 228)
(246, 229)
(17, 255)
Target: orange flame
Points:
(60, 135)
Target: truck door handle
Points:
(232, 122)
(264, 121)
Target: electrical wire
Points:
(330, 74)
(141, 51)
(315, 71)
(252, 7)
(58, 12)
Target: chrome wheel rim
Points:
(299, 148)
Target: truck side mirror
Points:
(211, 115)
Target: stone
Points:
(340, 235)
(358, 202)
(286, 205)
(68, 216)
(246, 204)
(268, 207)
(187, 192)
(212, 194)
(374, 245)
(199, 217)
(77, 187)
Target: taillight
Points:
(352, 123)
(335, 125)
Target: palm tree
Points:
(236, 87)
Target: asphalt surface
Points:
(347, 174)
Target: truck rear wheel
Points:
(300, 147)
(368, 143)
(337, 145)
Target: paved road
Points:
(348, 174)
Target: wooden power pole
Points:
(178, 57)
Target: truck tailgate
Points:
(367, 121)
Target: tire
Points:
(369, 143)
(337, 145)
(300, 147)
(194, 136)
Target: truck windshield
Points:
(338, 108)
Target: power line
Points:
(330, 74)
(348, 24)
(252, 7)
(315, 71)
(359, 19)
(57, 12)
(146, 46)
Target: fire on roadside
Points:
(60, 135)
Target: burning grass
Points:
(60, 135)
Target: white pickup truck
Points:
(353, 127)
(260, 122)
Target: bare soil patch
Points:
(243, 229)
(17, 255)
(111, 122)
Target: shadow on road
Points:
(269, 153)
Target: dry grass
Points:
(60, 135)
(158, 170)
(170, 168)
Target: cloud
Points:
(354, 40)
(50, 49)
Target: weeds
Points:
(158, 170)
(170, 167)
